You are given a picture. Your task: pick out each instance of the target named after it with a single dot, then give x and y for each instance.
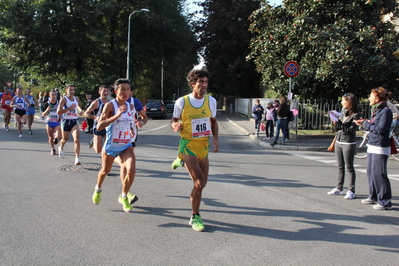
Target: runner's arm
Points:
(107, 116)
(46, 108)
(89, 110)
(12, 102)
(144, 119)
(80, 110)
(215, 134)
(60, 109)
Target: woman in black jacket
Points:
(345, 144)
(282, 120)
(378, 150)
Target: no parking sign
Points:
(291, 69)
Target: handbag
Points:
(393, 146)
(332, 145)
(262, 127)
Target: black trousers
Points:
(379, 185)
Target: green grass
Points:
(302, 132)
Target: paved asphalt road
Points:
(261, 207)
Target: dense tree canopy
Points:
(85, 42)
(341, 46)
(225, 41)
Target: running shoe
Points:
(30, 132)
(349, 195)
(176, 163)
(77, 161)
(125, 203)
(335, 191)
(91, 143)
(196, 223)
(20, 136)
(7, 129)
(132, 198)
(55, 141)
(96, 197)
(61, 153)
(382, 208)
(53, 152)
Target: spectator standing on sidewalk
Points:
(270, 117)
(345, 144)
(282, 115)
(257, 110)
(378, 150)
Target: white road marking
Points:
(334, 162)
(153, 129)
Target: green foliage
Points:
(85, 42)
(225, 41)
(341, 46)
(271, 94)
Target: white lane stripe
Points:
(323, 160)
(153, 129)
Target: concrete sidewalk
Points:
(301, 143)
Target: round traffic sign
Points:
(291, 69)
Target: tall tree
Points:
(341, 46)
(225, 39)
(85, 41)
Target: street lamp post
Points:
(128, 40)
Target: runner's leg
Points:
(128, 159)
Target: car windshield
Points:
(153, 104)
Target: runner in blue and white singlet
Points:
(52, 121)
(118, 120)
(20, 103)
(118, 133)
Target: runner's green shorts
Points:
(198, 148)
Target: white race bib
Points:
(121, 133)
(201, 127)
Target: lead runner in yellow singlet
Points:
(194, 117)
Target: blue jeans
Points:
(281, 125)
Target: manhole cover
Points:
(79, 168)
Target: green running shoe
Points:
(96, 197)
(177, 162)
(196, 223)
(132, 198)
(125, 203)
(91, 143)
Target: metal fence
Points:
(312, 115)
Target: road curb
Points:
(267, 145)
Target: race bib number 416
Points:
(201, 127)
